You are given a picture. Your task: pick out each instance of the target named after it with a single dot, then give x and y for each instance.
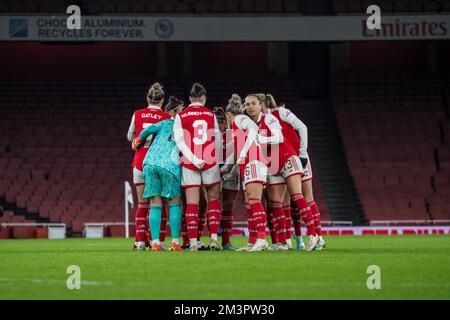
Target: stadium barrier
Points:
(34, 230)
(332, 228)
(336, 223)
(240, 227)
(116, 229)
(386, 230)
(109, 229)
(408, 222)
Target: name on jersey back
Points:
(196, 113)
(151, 115)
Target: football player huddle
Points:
(190, 164)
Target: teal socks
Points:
(174, 219)
(155, 221)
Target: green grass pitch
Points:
(412, 267)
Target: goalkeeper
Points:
(162, 175)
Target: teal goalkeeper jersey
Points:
(163, 152)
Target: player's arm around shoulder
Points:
(243, 122)
(274, 126)
(152, 129)
(272, 121)
(288, 116)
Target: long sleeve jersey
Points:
(163, 152)
(198, 137)
(141, 119)
(290, 122)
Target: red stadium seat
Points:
(83, 181)
(402, 163)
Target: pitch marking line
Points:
(58, 282)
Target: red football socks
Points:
(304, 212)
(259, 215)
(296, 219)
(141, 222)
(278, 221)
(288, 221)
(316, 217)
(202, 219)
(192, 220)
(213, 216)
(270, 223)
(252, 232)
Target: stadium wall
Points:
(94, 58)
(197, 59)
(229, 58)
(389, 57)
(393, 56)
(137, 58)
(443, 50)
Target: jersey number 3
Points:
(200, 127)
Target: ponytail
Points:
(270, 101)
(234, 105)
(197, 91)
(155, 93)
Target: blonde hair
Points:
(234, 104)
(267, 99)
(260, 96)
(155, 93)
(270, 101)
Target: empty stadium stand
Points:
(345, 7)
(34, 6)
(154, 6)
(331, 166)
(193, 7)
(395, 129)
(57, 164)
(214, 7)
(64, 154)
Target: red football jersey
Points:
(241, 125)
(198, 123)
(288, 130)
(277, 154)
(142, 119)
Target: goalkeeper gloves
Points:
(136, 143)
